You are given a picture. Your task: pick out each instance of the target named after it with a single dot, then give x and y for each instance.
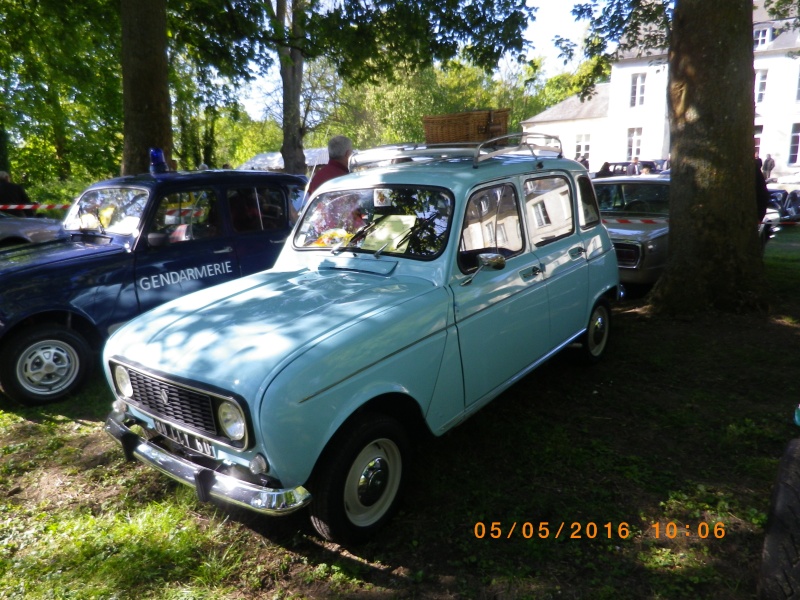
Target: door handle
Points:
(278, 241)
(576, 252)
(530, 273)
(224, 250)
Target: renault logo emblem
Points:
(164, 396)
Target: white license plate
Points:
(184, 439)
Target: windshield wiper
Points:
(360, 233)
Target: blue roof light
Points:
(157, 162)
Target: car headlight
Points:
(232, 421)
(123, 380)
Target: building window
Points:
(761, 85)
(761, 37)
(582, 144)
(794, 144)
(634, 142)
(637, 89)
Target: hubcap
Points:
(372, 482)
(47, 367)
(598, 332)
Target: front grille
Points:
(184, 406)
(628, 255)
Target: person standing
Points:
(766, 168)
(605, 171)
(762, 194)
(340, 148)
(12, 193)
(633, 168)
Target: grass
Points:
(679, 430)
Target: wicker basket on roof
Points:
(472, 126)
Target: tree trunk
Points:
(291, 68)
(715, 258)
(145, 83)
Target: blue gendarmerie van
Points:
(132, 243)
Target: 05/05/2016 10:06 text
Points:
(576, 530)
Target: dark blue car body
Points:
(135, 242)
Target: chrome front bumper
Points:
(207, 482)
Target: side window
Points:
(548, 203)
(189, 215)
(590, 214)
(492, 224)
(256, 209)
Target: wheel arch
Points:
(68, 319)
(401, 407)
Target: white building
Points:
(628, 116)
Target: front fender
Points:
(398, 350)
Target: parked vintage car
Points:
(26, 230)
(132, 244)
(779, 575)
(786, 203)
(408, 297)
(635, 210)
(620, 168)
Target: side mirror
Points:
(491, 260)
(157, 240)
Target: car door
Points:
(188, 247)
(260, 220)
(552, 227)
(501, 315)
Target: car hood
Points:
(236, 334)
(52, 253)
(635, 227)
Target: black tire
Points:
(598, 330)
(44, 364)
(779, 576)
(357, 485)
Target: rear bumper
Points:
(207, 482)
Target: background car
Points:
(620, 168)
(409, 296)
(786, 203)
(635, 211)
(132, 243)
(25, 230)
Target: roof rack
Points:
(527, 143)
(478, 151)
(399, 153)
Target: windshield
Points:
(111, 210)
(409, 221)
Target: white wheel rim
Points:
(597, 335)
(47, 367)
(372, 482)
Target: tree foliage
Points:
(61, 100)
(392, 111)
(386, 39)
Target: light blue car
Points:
(408, 296)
